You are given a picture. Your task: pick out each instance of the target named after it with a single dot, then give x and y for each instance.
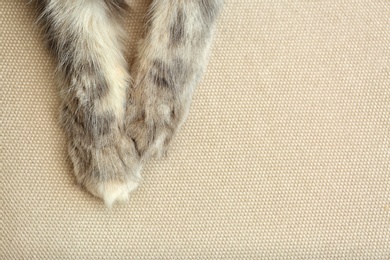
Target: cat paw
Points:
(111, 172)
(151, 135)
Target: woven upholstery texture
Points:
(285, 153)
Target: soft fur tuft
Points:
(113, 191)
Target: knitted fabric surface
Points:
(285, 153)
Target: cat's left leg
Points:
(84, 35)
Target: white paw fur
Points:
(113, 191)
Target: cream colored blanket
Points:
(285, 154)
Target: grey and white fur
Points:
(114, 124)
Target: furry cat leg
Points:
(171, 60)
(85, 36)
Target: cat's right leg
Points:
(170, 62)
(85, 36)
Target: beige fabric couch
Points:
(285, 154)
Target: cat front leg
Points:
(171, 60)
(85, 37)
